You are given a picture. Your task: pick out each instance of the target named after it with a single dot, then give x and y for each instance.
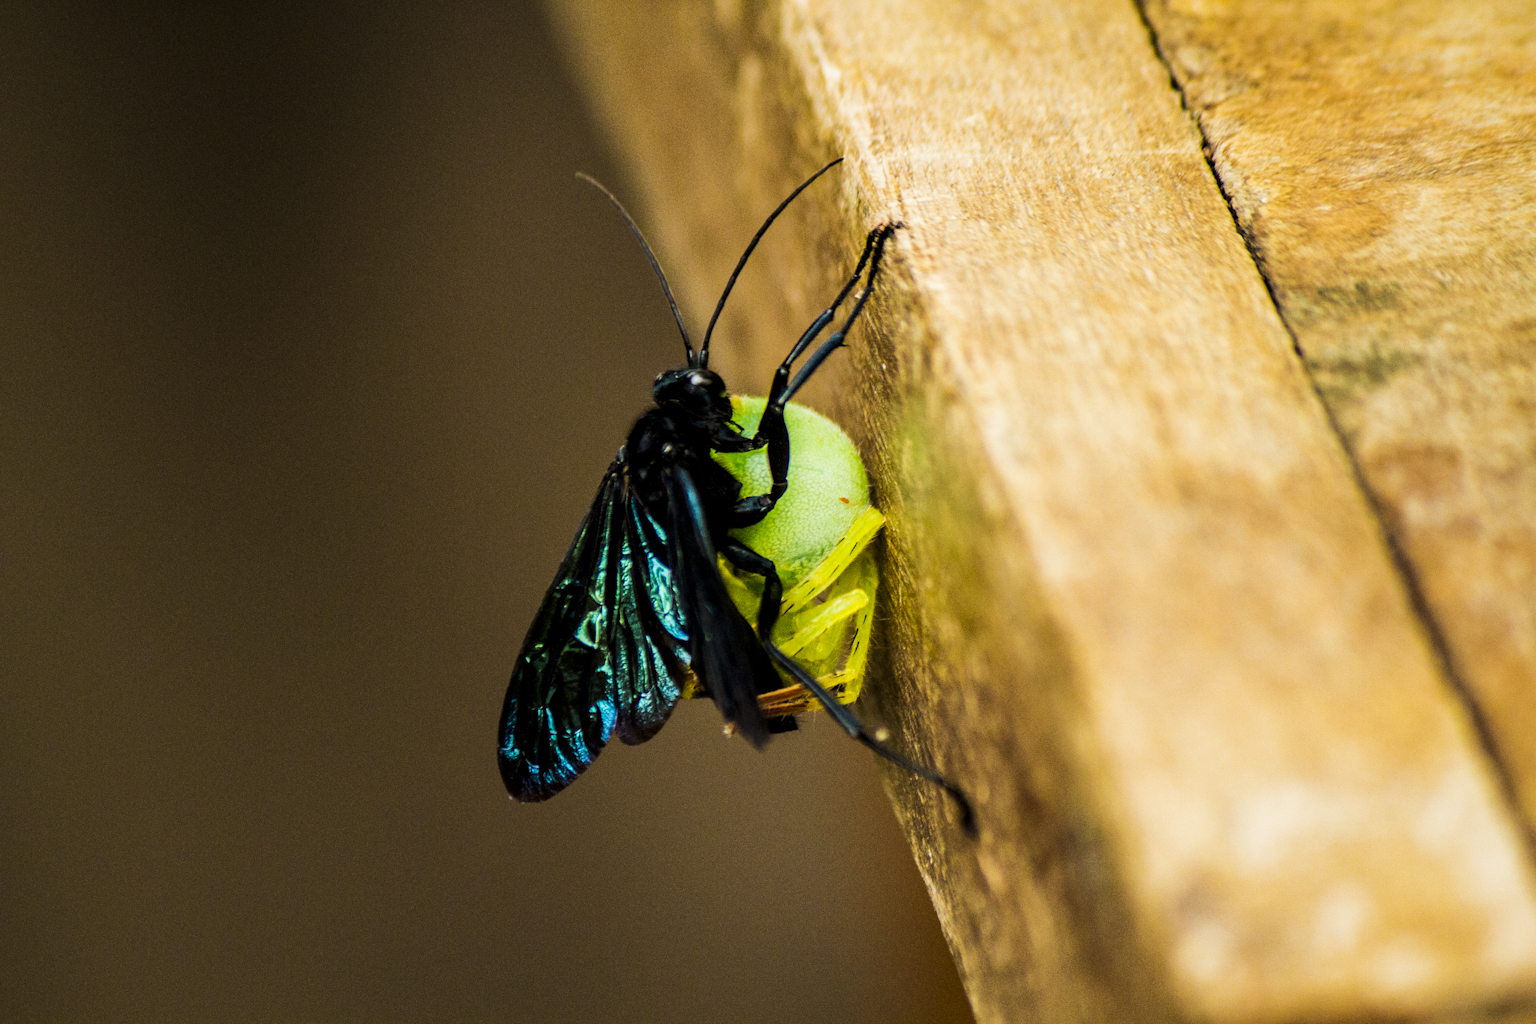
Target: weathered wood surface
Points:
(1136, 600)
(1382, 159)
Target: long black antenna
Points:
(704, 347)
(687, 342)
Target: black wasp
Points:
(639, 612)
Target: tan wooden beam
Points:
(1382, 160)
(1135, 599)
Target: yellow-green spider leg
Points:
(820, 620)
(853, 543)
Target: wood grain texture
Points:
(1382, 159)
(1135, 600)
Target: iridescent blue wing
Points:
(648, 643)
(605, 653)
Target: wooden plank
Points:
(1135, 600)
(1382, 159)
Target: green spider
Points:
(818, 535)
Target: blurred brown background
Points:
(314, 352)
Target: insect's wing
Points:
(605, 653)
(726, 654)
(648, 640)
(552, 722)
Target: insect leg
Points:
(743, 557)
(877, 240)
(771, 429)
(747, 560)
(872, 241)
